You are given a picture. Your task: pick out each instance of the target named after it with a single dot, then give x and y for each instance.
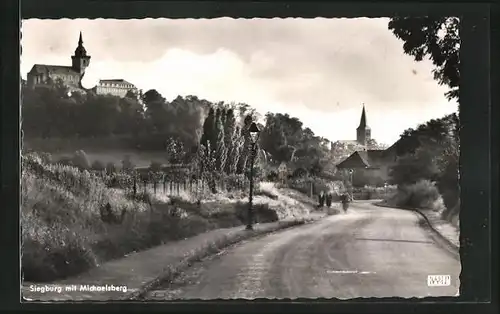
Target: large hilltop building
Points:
(71, 76)
(115, 87)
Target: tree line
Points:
(431, 152)
(186, 128)
(52, 112)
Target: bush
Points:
(303, 185)
(261, 213)
(127, 164)
(141, 196)
(272, 176)
(299, 173)
(371, 192)
(46, 157)
(65, 160)
(111, 168)
(236, 182)
(267, 189)
(120, 180)
(155, 166)
(98, 166)
(423, 195)
(81, 160)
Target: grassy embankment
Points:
(64, 231)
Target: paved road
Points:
(368, 252)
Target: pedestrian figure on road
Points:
(321, 199)
(329, 198)
(344, 198)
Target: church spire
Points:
(362, 123)
(363, 132)
(80, 60)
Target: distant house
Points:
(370, 167)
(115, 87)
(71, 76)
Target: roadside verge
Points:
(137, 273)
(445, 233)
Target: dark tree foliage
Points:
(52, 112)
(431, 152)
(436, 38)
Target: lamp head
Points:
(254, 132)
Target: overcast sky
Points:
(319, 70)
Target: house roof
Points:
(116, 81)
(365, 159)
(53, 69)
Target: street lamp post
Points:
(351, 171)
(254, 136)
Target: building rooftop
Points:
(52, 69)
(372, 158)
(116, 81)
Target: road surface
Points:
(368, 252)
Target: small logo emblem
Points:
(438, 280)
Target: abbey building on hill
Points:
(71, 76)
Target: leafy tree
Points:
(98, 165)
(131, 119)
(152, 96)
(273, 138)
(111, 168)
(431, 152)
(175, 150)
(81, 160)
(207, 161)
(246, 146)
(373, 144)
(220, 148)
(127, 164)
(229, 139)
(155, 166)
(131, 94)
(434, 37)
(208, 128)
(414, 167)
(238, 142)
(448, 164)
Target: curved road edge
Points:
(444, 241)
(172, 271)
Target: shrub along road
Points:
(368, 252)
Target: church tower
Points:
(363, 132)
(80, 61)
